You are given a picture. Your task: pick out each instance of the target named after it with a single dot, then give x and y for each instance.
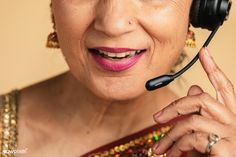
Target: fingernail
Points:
(207, 52)
(168, 153)
(208, 55)
(209, 58)
(157, 115)
(155, 146)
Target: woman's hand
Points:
(205, 116)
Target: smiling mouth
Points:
(116, 55)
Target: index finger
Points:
(202, 104)
(223, 86)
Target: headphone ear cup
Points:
(209, 13)
(195, 13)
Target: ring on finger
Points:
(212, 139)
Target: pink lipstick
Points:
(116, 59)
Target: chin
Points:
(118, 89)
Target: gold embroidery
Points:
(140, 146)
(9, 124)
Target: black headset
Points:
(206, 14)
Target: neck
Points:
(81, 106)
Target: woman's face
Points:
(114, 46)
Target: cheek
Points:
(168, 41)
(71, 28)
(72, 21)
(69, 21)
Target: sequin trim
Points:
(139, 147)
(9, 124)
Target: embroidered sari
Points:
(136, 145)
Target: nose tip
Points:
(114, 27)
(114, 20)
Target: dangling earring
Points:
(190, 41)
(52, 40)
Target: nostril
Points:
(114, 27)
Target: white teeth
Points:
(111, 54)
(106, 53)
(132, 53)
(119, 55)
(127, 53)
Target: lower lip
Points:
(117, 65)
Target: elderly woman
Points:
(100, 107)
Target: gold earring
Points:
(52, 40)
(191, 40)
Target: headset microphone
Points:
(164, 80)
(208, 14)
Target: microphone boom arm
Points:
(164, 80)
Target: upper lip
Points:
(116, 50)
